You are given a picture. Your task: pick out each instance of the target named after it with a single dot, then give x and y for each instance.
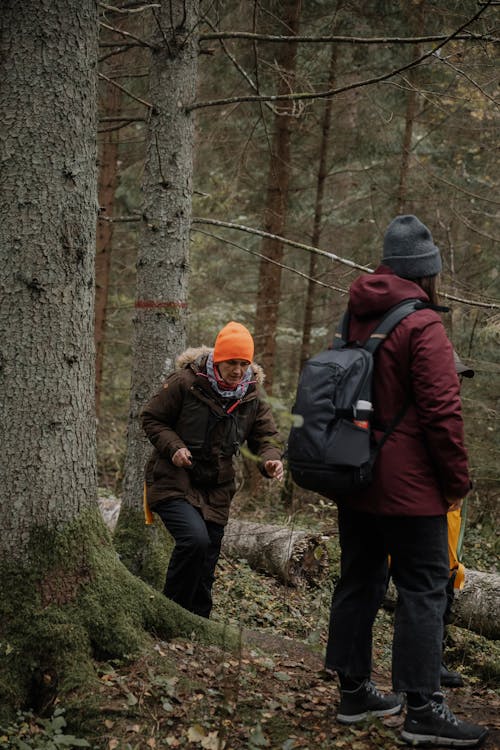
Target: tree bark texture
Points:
(48, 212)
(163, 253)
(476, 607)
(110, 107)
(269, 286)
(292, 556)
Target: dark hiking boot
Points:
(434, 724)
(366, 700)
(450, 679)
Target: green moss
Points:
(71, 600)
(144, 550)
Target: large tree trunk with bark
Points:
(163, 254)
(293, 556)
(65, 594)
(47, 234)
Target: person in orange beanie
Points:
(205, 411)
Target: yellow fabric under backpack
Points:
(456, 527)
(456, 523)
(148, 516)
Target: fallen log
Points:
(293, 556)
(476, 606)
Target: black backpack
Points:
(331, 449)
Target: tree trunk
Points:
(110, 107)
(65, 594)
(416, 22)
(476, 607)
(163, 257)
(269, 288)
(305, 351)
(49, 203)
(292, 556)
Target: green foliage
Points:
(29, 732)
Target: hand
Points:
(453, 503)
(182, 457)
(274, 469)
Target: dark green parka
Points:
(187, 412)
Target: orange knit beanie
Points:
(234, 341)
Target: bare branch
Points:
(292, 243)
(139, 9)
(270, 260)
(116, 51)
(331, 256)
(242, 71)
(468, 78)
(126, 91)
(127, 34)
(458, 188)
(341, 89)
(254, 37)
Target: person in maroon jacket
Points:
(420, 474)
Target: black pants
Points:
(191, 571)
(419, 567)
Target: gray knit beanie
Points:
(409, 249)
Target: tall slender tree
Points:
(269, 289)
(318, 214)
(163, 253)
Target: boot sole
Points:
(433, 739)
(353, 718)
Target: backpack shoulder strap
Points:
(392, 317)
(342, 333)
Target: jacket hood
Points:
(196, 356)
(371, 295)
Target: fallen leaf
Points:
(196, 733)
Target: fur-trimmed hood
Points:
(197, 355)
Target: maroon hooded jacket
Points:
(424, 460)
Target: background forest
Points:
(250, 156)
(328, 172)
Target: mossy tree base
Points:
(144, 550)
(71, 600)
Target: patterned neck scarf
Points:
(222, 388)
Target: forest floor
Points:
(271, 693)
